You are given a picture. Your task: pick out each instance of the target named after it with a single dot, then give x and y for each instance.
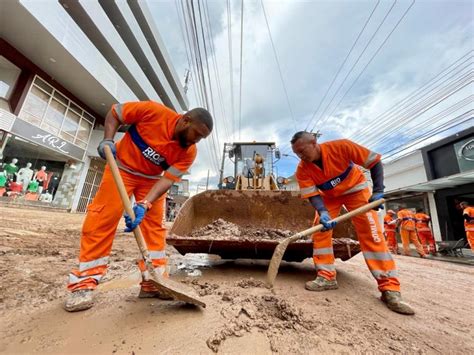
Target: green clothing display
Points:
(33, 186)
(10, 169)
(3, 180)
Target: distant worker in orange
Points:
(406, 221)
(424, 231)
(157, 150)
(328, 177)
(468, 214)
(390, 227)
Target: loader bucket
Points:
(283, 210)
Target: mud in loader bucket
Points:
(283, 210)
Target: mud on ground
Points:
(39, 247)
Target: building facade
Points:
(436, 178)
(62, 66)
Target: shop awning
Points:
(438, 184)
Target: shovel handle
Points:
(126, 201)
(341, 218)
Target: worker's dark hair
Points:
(201, 115)
(301, 134)
(419, 210)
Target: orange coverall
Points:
(146, 153)
(408, 232)
(469, 227)
(390, 233)
(424, 233)
(340, 182)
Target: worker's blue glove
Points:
(140, 211)
(325, 220)
(110, 143)
(376, 196)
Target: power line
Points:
(355, 63)
(278, 64)
(231, 68)
(370, 61)
(342, 64)
(241, 66)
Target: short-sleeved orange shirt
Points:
(158, 154)
(338, 176)
(387, 223)
(407, 219)
(422, 221)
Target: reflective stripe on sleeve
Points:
(176, 172)
(370, 159)
(308, 190)
(118, 111)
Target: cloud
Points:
(312, 38)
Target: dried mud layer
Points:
(38, 248)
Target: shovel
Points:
(281, 247)
(170, 288)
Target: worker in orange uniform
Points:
(390, 227)
(328, 178)
(468, 214)
(422, 223)
(158, 148)
(406, 221)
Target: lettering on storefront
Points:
(43, 138)
(52, 141)
(467, 150)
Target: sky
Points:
(415, 42)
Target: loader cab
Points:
(250, 165)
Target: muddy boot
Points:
(321, 284)
(149, 290)
(394, 302)
(79, 301)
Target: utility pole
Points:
(187, 79)
(207, 181)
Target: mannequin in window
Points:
(11, 169)
(41, 176)
(24, 176)
(53, 184)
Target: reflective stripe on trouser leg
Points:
(98, 232)
(426, 237)
(372, 243)
(154, 234)
(323, 254)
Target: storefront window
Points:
(54, 117)
(35, 106)
(70, 126)
(52, 111)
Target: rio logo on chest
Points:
(152, 155)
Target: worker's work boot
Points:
(321, 284)
(148, 290)
(394, 302)
(79, 300)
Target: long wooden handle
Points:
(341, 218)
(126, 201)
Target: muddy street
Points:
(38, 248)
